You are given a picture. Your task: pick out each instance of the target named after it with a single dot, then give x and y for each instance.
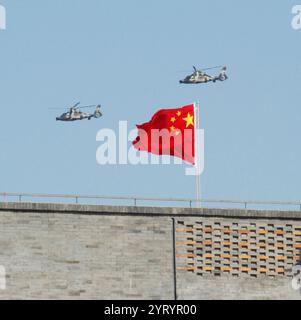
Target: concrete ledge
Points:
(81, 209)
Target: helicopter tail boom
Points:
(222, 75)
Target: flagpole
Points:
(197, 156)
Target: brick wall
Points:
(101, 252)
(236, 259)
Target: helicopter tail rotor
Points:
(222, 75)
(98, 113)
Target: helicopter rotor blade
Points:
(77, 104)
(201, 69)
(84, 107)
(74, 107)
(58, 108)
(217, 67)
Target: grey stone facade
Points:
(112, 252)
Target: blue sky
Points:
(129, 56)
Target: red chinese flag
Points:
(169, 132)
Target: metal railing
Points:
(132, 200)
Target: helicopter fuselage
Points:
(196, 78)
(75, 115)
(199, 76)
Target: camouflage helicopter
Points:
(75, 114)
(199, 76)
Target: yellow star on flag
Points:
(173, 119)
(179, 113)
(189, 120)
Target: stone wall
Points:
(221, 258)
(112, 252)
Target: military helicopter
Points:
(199, 76)
(75, 114)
